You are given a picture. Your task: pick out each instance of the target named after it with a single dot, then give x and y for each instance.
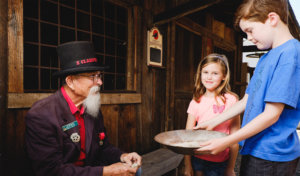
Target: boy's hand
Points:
(212, 147)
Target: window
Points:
(48, 23)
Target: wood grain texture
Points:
(218, 28)
(111, 118)
(25, 100)
(14, 155)
(160, 162)
(15, 46)
(3, 78)
(127, 131)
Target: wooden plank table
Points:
(159, 162)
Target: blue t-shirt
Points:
(276, 79)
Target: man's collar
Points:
(72, 106)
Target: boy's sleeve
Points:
(285, 85)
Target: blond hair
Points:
(224, 87)
(258, 10)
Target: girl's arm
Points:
(232, 112)
(234, 149)
(190, 123)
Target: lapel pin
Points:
(101, 137)
(75, 137)
(70, 125)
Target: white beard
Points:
(93, 102)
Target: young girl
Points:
(211, 97)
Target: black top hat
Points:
(77, 57)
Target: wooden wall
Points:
(187, 57)
(14, 159)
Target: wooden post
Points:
(3, 75)
(171, 77)
(15, 46)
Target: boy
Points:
(270, 145)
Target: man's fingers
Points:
(129, 168)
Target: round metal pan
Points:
(185, 141)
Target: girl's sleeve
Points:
(231, 100)
(192, 107)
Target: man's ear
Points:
(273, 18)
(69, 81)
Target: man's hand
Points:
(133, 159)
(119, 169)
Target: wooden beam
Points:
(25, 100)
(171, 78)
(183, 10)
(190, 25)
(124, 3)
(3, 77)
(131, 63)
(15, 46)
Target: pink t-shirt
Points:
(207, 109)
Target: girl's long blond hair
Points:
(224, 87)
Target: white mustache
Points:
(93, 101)
(95, 90)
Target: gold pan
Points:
(186, 141)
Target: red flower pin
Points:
(101, 137)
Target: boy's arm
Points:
(232, 112)
(262, 121)
(234, 149)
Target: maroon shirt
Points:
(79, 117)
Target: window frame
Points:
(16, 61)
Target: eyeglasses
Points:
(95, 77)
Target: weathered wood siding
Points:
(120, 122)
(15, 46)
(188, 55)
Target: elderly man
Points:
(65, 134)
